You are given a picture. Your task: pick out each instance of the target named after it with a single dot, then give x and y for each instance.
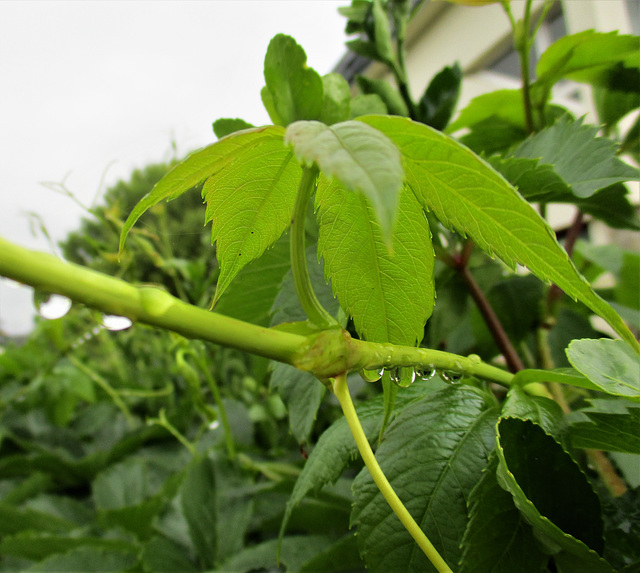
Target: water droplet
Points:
(52, 307)
(451, 376)
(213, 425)
(407, 376)
(394, 375)
(372, 375)
(425, 374)
(113, 322)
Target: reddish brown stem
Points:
(493, 322)
(569, 243)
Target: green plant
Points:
(465, 456)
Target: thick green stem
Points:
(311, 305)
(341, 391)
(325, 354)
(146, 304)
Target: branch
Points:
(147, 304)
(325, 354)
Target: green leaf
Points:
(627, 291)
(631, 142)
(37, 546)
(250, 204)
(614, 102)
(387, 93)
(336, 104)
(251, 295)
(366, 104)
(342, 556)
(382, 33)
(588, 56)
(295, 89)
(612, 431)
(566, 516)
(585, 162)
(389, 295)
(467, 195)
(295, 551)
(216, 505)
(88, 560)
(440, 98)
(534, 180)
(492, 135)
(544, 412)
(610, 364)
(336, 447)
(363, 160)
(302, 393)
(14, 519)
(612, 206)
(497, 539)
(622, 530)
(505, 105)
(162, 555)
(559, 375)
(433, 453)
(197, 167)
(226, 126)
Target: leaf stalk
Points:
(341, 390)
(317, 314)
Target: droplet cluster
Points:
(405, 376)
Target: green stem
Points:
(325, 354)
(341, 391)
(100, 381)
(146, 304)
(217, 398)
(310, 303)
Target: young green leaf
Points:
(382, 33)
(363, 160)
(466, 194)
(337, 99)
(226, 126)
(497, 538)
(250, 204)
(387, 93)
(433, 454)
(197, 167)
(585, 162)
(367, 104)
(588, 56)
(389, 295)
(567, 515)
(440, 98)
(502, 104)
(610, 364)
(295, 89)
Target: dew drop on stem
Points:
(371, 375)
(427, 373)
(53, 306)
(451, 376)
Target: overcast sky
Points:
(93, 89)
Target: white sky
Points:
(94, 87)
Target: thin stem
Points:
(100, 381)
(493, 322)
(573, 234)
(315, 311)
(217, 398)
(341, 391)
